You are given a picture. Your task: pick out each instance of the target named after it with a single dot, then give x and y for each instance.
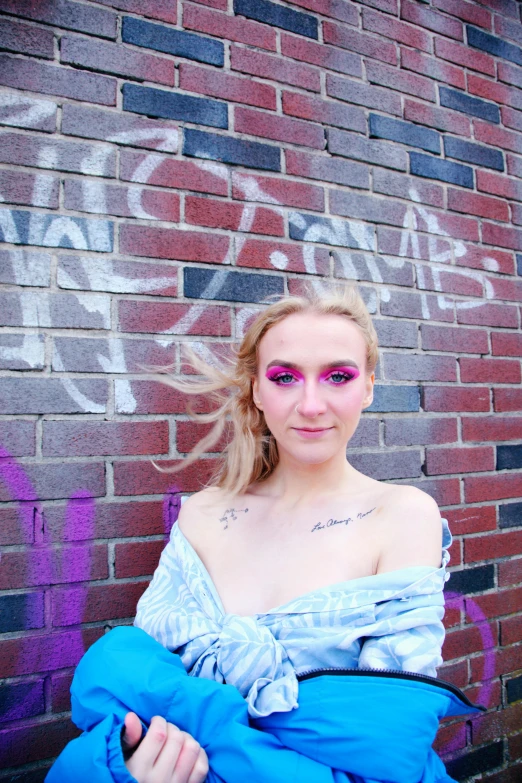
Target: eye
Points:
(283, 378)
(340, 377)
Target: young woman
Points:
(261, 578)
(292, 563)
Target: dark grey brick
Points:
(510, 515)
(25, 267)
(353, 145)
(394, 334)
(366, 435)
(52, 395)
(394, 398)
(388, 465)
(278, 16)
(488, 757)
(471, 580)
(368, 208)
(459, 101)
(18, 437)
(230, 286)
(366, 266)
(514, 689)
(21, 700)
(473, 153)
(331, 231)
(509, 457)
(164, 39)
(418, 430)
(173, 106)
(21, 351)
(35, 228)
(251, 154)
(433, 168)
(496, 46)
(35, 308)
(21, 611)
(519, 264)
(404, 132)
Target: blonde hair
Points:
(251, 454)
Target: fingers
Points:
(132, 733)
(166, 754)
(143, 760)
(187, 759)
(200, 770)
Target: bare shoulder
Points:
(197, 507)
(414, 531)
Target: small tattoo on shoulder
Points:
(230, 514)
(333, 522)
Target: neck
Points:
(296, 484)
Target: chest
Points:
(257, 563)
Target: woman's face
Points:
(317, 363)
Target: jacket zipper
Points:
(391, 674)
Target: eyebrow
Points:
(328, 366)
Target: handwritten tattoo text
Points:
(334, 522)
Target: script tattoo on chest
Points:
(230, 514)
(334, 522)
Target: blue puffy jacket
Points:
(351, 725)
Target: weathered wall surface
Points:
(164, 167)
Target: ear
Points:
(368, 397)
(255, 393)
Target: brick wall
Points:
(163, 167)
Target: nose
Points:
(312, 402)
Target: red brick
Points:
(491, 428)
(471, 519)
(452, 737)
(447, 225)
(472, 203)
(28, 39)
(499, 184)
(170, 317)
(326, 57)
(506, 28)
(139, 558)
(17, 524)
(488, 692)
(229, 215)
(403, 81)
(75, 605)
(143, 478)
(125, 277)
(449, 281)
(259, 254)
(61, 692)
(493, 91)
(327, 169)
(510, 572)
(78, 439)
(496, 136)
(206, 81)
(438, 398)
(189, 433)
(505, 661)
(355, 41)
(270, 67)
(503, 485)
(515, 752)
(386, 6)
(445, 491)
(222, 5)
(326, 112)
(486, 258)
(166, 10)
(116, 59)
(452, 612)
(111, 520)
(174, 244)
(468, 12)
(485, 314)
(337, 9)
(45, 652)
(514, 165)
(44, 740)
(43, 565)
(155, 397)
(509, 73)
(511, 118)
(391, 183)
(500, 288)
(233, 28)
(455, 673)
(459, 460)
(511, 629)
(270, 126)
(463, 641)
(498, 604)
(455, 552)
(66, 14)
(413, 60)
(465, 56)
(122, 201)
(489, 370)
(454, 339)
(55, 80)
(171, 173)
(507, 400)
(37, 190)
(24, 150)
(497, 724)
(275, 190)
(424, 17)
(119, 127)
(516, 214)
(501, 236)
(384, 25)
(433, 117)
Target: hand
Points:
(164, 755)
